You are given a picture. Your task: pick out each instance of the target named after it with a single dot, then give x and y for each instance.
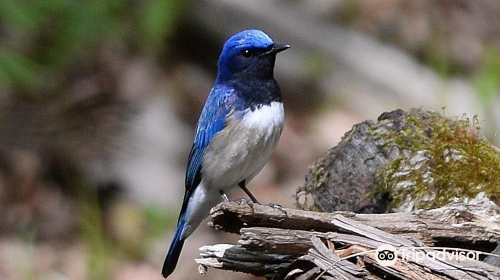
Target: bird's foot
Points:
(242, 200)
(278, 207)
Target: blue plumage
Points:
(212, 120)
(230, 61)
(238, 129)
(175, 248)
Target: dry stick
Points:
(455, 223)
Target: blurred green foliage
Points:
(160, 220)
(487, 81)
(436, 56)
(351, 11)
(42, 40)
(121, 230)
(487, 86)
(17, 69)
(25, 262)
(92, 232)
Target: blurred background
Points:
(99, 100)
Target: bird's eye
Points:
(247, 53)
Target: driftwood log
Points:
(280, 243)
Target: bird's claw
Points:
(278, 207)
(243, 201)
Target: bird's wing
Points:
(212, 120)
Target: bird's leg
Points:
(245, 189)
(224, 196)
(252, 197)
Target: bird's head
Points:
(250, 53)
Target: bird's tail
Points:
(175, 249)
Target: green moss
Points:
(303, 193)
(441, 159)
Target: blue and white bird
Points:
(236, 134)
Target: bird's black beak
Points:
(277, 48)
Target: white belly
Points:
(242, 149)
(235, 154)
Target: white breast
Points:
(243, 147)
(265, 117)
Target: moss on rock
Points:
(442, 159)
(303, 197)
(403, 161)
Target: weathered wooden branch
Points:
(235, 257)
(459, 223)
(282, 243)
